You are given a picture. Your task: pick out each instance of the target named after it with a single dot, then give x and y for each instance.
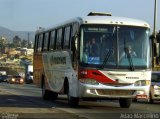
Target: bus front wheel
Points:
(72, 101)
(125, 102)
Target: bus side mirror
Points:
(74, 46)
(74, 42)
(152, 37)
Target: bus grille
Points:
(115, 92)
(117, 84)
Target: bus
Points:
(64, 64)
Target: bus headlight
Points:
(89, 81)
(142, 83)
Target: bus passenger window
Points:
(35, 44)
(45, 44)
(52, 41)
(67, 37)
(75, 28)
(59, 39)
(40, 43)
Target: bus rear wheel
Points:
(45, 93)
(54, 95)
(125, 102)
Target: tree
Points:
(24, 43)
(30, 44)
(17, 41)
(3, 41)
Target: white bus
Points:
(82, 58)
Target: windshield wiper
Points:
(129, 57)
(110, 51)
(130, 61)
(106, 58)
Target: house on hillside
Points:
(25, 51)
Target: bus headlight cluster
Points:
(142, 83)
(140, 93)
(89, 81)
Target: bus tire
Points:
(54, 95)
(72, 101)
(45, 93)
(125, 102)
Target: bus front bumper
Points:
(104, 91)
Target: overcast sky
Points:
(28, 15)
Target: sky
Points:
(29, 15)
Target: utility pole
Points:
(28, 39)
(155, 18)
(154, 41)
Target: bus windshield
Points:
(115, 47)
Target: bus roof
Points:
(114, 20)
(102, 20)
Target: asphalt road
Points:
(24, 101)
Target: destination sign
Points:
(57, 60)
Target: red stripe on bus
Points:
(95, 74)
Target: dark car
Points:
(16, 80)
(4, 78)
(155, 87)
